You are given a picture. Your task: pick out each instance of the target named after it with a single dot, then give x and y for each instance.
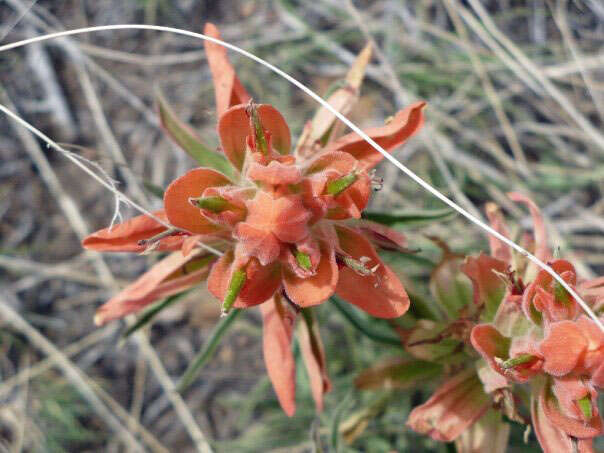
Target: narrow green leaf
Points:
(349, 313)
(154, 190)
(208, 349)
(398, 373)
(150, 313)
(407, 218)
(336, 420)
(188, 140)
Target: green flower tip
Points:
(518, 360)
(585, 407)
(237, 281)
(261, 143)
(303, 260)
(212, 204)
(337, 186)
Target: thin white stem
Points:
(341, 117)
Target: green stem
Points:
(208, 349)
(150, 313)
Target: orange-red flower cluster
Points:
(287, 223)
(527, 329)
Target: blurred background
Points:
(515, 102)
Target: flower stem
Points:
(208, 350)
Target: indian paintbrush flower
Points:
(286, 222)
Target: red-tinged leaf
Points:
(499, 249)
(381, 294)
(228, 90)
(397, 373)
(489, 434)
(452, 409)
(185, 137)
(490, 344)
(180, 211)
(429, 341)
(234, 128)
(170, 276)
(451, 289)
(541, 249)
(489, 288)
(313, 355)
(125, 236)
(382, 236)
(315, 289)
(404, 124)
(342, 100)
(278, 323)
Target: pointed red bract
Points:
(541, 249)
(317, 288)
(499, 249)
(228, 90)
(486, 274)
(234, 128)
(402, 126)
(313, 355)
(126, 236)
(170, 276)
(453, 407)
(180, 211)
(380, 293)
(278, 324)
(260, 284)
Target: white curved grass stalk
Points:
(325, 104)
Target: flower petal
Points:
(380, 294)
(234, 128)
(180, 211)
(404, 124)
(316, 289)
(227, 88)
(313, 355)
(125, 236)
(452, 409)
(278, 324)
(173, 274)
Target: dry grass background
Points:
(515, 93)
